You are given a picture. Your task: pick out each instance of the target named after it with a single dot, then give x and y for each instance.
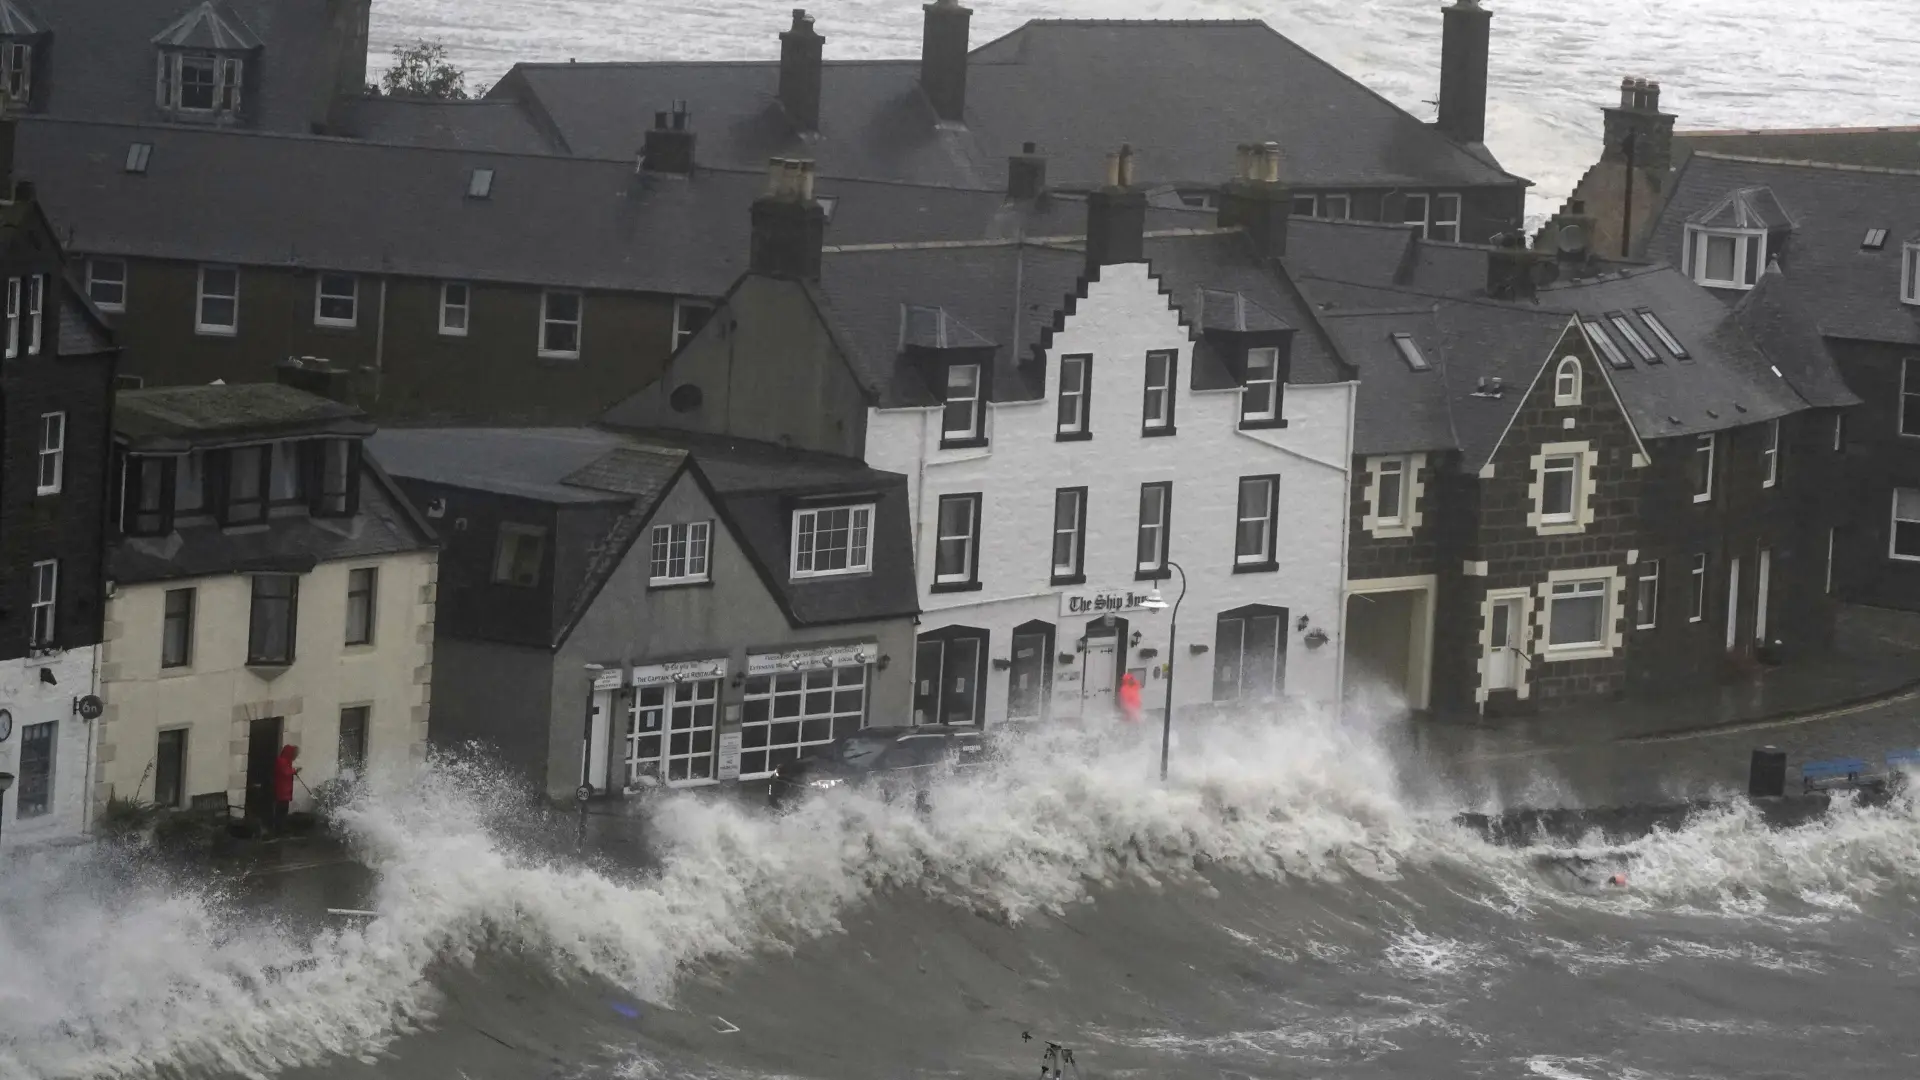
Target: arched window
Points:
(1566, 382)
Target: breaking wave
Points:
(105, 977)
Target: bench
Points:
(1834, 773)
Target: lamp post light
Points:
(1156, 604)
(6, 782)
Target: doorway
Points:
(263, 746)
(1030, 678)
(1733, 604)
(1503, 643)
(1762, 596)
(1389, 642)
(1098, 675)
(948, 668)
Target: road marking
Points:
(730, 1027)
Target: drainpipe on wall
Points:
(380, 342)
(920, 487)
(1346, 539)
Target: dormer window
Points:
(336, 472)
(1260, 394)
(960, 418)
(16, 70)
(201, 82)
(148, 510)
(1726, 258)
(1910, 273)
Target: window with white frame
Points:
(1156, 503)
(1306, 206)
(456, 308)
(1646, 595)
(1390, 505)
(1253, 538)
(1577, 614)
(1910, 274)
(36, 305)
(199, 82)
(1156, 409)
(1336, 207)
(14, 296)
(960, 417)
(53, 452)
(680, 553)
(832, 540)
(1701, 468)
(1076, 373)
(1260, 396)
(956, 553)
(1566, 382)
(519, 553)
(560, 318)
(1560, 489)
(1069, 533)
(46, 602)
(688, 317)
(1910, 396)
(1904, 541)
(1839, 432)
(1697, 592)
(1726, 258)
(217, 309)
(1770, 455)
(16, 71)
(1446, 218)
(1416, 214)
(107, 284)
(336, 300)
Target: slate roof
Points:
(18, 19)
(105, 55)
(262, 199)
(174, 417)
(1012, 294)
(1850, 291)
(1880, 147)
(752, 484)
(497, 126)
(1179, 92)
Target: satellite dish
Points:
(1573, 239)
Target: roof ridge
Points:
(1829, 165)
(1145, 22)
(1712, 132)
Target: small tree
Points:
(421, 70)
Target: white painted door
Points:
(1762, 590)
(1733, 604)
(599, 736)
(1503, 642)
(1097, 678)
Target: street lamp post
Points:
(1157, 603)
(6, 783)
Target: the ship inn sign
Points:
(1093, 603)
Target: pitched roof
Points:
(489, 124)
(751, 484)
(171, 417)
(1177, 91)
(208, 25)
(1850, 290)
(1013, 295)
(1882, 147)
(18, 19)
(262, 199)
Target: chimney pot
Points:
(1116, 216)
(1256, 201)
(668, 147)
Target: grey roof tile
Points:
(188, 414)
(492, 125)
(1882, 147)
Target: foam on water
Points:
(113, 982)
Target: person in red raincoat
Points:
(283, 774)
(1129, 698)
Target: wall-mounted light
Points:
(1134, 638)
(883, 661)
(1001, 663)
(1301, 623)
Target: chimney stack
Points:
(1026, 175)
(1464, 50)
(943, 59)
(316, 376)
(669, 145)
(1510, 268)
(1637, 130)
(800, 49)
(789, 226)
(1256, 200)
(1116, 217)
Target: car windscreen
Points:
(917, 750)
(860, 751)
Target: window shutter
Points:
(230, 73)
(163, 81)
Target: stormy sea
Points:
(1297, 900)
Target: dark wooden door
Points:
(263, 746)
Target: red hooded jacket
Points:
(1130, 698)
(283, 771)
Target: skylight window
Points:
(1633, 337)
(1660, 331)
(1605, 341)
(480, 184)
(1410, 352)
(1874, 240)
(137, 156)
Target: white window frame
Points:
(1396, 516)
(1907, 390)
(1696, 256)
(1710, 445)
(1646, 585)
(1327, 203)
(1558, 524)
(1910, 273)
(321, 296)
(13, 317)
(970, 560)
(52, 461)
(1771, 454)
(94, 278)
(448, 328)
(1075, 529)
(695, 557)
(201, 295)
(1268, 518)
(1270, 382)
(1572, 469)
(1161, 418)
(16, 71)
(1566, 381)
(975, 403)
(44, 623)
(859, 520)
(1079, 395)
(1312, 203)
(1443, 220)
(682, 305)
(1580, 588)
(1697, 595)
(36, 304)
(180, 66)
(578, 322)
(1159, 528)
(1426, 211)
(1893, 528)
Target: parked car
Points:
(895, 761)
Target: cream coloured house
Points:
(270, 587)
